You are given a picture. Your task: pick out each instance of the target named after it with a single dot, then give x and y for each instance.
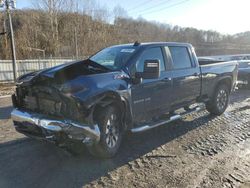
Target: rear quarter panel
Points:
(212, 74)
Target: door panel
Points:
(150, 97)
(186, 76)
(159, 100)
(186, 86)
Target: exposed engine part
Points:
(48, 101)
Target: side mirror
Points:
(151, 69)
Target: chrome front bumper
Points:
(50, 127)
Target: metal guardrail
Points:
(26, 66)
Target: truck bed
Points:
(212, 71)
(207, 61)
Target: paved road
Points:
(198, 151)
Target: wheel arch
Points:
(114, 98)
(226, 81)
(212, 104)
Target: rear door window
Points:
(180, 56)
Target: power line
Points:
(161, 9)
(162, 2)
(140, 4)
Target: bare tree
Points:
(70, 28)
(53, 7)
(119, 12)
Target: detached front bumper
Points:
(39, 126)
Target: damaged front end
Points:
(39, 126)
(45, 108)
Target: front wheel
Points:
(109, 122)
(218, 104)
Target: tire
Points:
(109, 122)
(219, 102)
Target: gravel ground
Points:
(7, 89)
(198, 151)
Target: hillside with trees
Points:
(51, 30)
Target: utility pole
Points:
(11, 4)
(5, 35)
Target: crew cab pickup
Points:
(130, 87)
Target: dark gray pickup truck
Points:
(130, 87)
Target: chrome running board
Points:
(163, 122)
(147, 127)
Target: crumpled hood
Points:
(63, 73)
(80, 79)
(49, 72)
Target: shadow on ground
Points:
(240, 95)
(5, 112)
(30, 163)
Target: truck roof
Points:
(157, 44)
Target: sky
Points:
(225, 16)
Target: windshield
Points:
(114, 58)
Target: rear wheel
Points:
(218, 104)
(109, 122)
